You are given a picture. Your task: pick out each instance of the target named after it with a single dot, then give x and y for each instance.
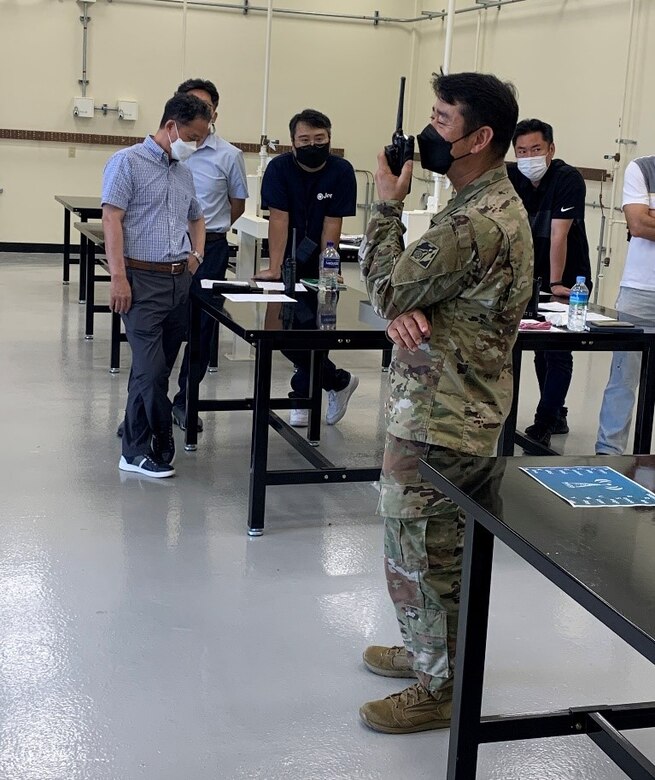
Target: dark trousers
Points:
(155, 326)
(333, 378)
(554, 371)
(213, 267)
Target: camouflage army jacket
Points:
(471, 274)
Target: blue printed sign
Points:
(591, 486)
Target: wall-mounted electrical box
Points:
(83, 107)
(128, 109)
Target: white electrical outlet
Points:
(83, 107)
(128, 110)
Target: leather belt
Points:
(163, 268)
(210, 237)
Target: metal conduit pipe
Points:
(376, 18)
(612, 221)
(85, 19)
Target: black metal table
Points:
(93, 235)
(85, 208)
(626, 341)
(591, 554)
(271, 327)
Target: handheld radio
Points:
(401, 148)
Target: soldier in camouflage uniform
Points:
(456, 297)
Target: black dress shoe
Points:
(539, 432)
(561, 424)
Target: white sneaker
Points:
(338, 401)
(299, 418)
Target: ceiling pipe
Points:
(375, 19)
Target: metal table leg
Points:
(506, 440)
(315, 393)
(90, 259)
(213, 351)
(645, 403)
(115, 360)
(84, 271)
(471, 651)
(67, 246)
(192, 384)
(259, 444)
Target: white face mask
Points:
(533, 168)
(181, 150)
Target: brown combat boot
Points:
(388, 661)
(413, 709)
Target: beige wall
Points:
(136, 52)
(566, 57)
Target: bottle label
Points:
(331, 264)
(578, 298)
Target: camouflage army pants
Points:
(423, 541)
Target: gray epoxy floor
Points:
(143, 635)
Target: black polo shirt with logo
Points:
(559, 195)
(309, 198)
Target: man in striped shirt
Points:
(154, 239)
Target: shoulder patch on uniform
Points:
(424, 253)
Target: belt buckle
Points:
(177, 268)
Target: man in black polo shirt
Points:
(310, 190)
(553, 194)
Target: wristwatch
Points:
(200, 258)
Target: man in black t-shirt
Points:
(310, 190)
(553, 194)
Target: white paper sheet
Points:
(553, 307)
(279, 286)
(258, 298)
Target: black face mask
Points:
(435, 151)
(312, 156)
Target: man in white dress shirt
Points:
(219, 176)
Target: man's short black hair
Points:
(184, 109)
(483, 99)
(207, 86)
(312, 118)
(526, 126)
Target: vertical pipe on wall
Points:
(478, 41)
(184, 20)
(450, 27)
(612, 221)
(85, 42)
(263, 151)
(433, 203)
(411, 97)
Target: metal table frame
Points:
(602, 723)
(76, 205)
(265, 342)
(93, 236)
(529, 341)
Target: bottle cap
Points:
(330, 243)
(580, 279)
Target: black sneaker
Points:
(146, 465)
(561, 425)
(163, 447)
(539, 432)
(179, 418)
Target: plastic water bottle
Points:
(326, 315)
(578, 305)
(328, 268)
